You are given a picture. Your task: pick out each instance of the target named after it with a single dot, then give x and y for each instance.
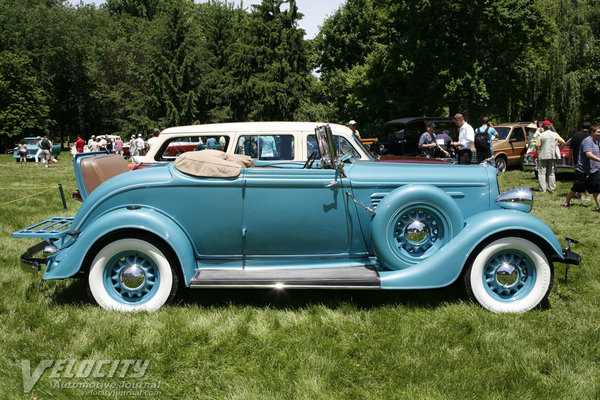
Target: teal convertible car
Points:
(218, 220)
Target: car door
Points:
(517, 145)
(294, 212)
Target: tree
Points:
(270, 63)
(23, 108)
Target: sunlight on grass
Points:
(238, 344)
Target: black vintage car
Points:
(403, 135)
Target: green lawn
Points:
(234, 344)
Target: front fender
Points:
(68, 261)
(445, 266)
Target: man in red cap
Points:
(548, 151)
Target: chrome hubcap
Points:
(132, 277)
(507, 275)
(416, 231)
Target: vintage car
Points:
(291, 141)
(217, 220)
(403, 135)
(32, 149)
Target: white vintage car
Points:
(276, 141)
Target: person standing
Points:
(268, 148)
(352, 126)
(119, 145)
(46, 146)
(93, 144)
(141, 145)
(79, 143)
(427, 142)
(23, 152)
(102, 143)
(39, 152)
(548, 151)
(575, 141)
(484, 135)
(155, 133)
(466, 136)
(444, 143)
(586, 171)
(133, 147)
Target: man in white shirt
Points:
(141, 145)
(466, 137)
(155, 134)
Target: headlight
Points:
(520, 199)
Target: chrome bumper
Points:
(569, 257)
(35, 256)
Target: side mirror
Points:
(326, 146)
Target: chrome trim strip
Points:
(280, 287)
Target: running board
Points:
(312, 278)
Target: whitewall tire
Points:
(511, 275)
(131, 275)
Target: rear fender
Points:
(69, 261)
(444, 267)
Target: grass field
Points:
(234, 344)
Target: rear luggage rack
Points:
(52, 228)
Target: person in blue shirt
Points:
(268, 148)
(427, 142)
(491, 132)
(211, 143)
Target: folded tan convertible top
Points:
(212, 163)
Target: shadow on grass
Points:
(302, 298)
(74, 293)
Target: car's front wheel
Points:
(131, 274)
(511, 274)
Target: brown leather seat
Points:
(96, 170)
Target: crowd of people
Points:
(543, 141)
(43, 153)
(137, 146)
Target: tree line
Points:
(131, 65)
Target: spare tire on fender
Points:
(412, 223)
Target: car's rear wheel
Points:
(132, 274)
(501, 164)
(511, 274)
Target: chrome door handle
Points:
(333, 184)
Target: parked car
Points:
(291, 141)
(403, 135)
(510, 146)
(32, 149)
(218, 220)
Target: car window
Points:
(518, 134)
(266, 147)
(503, 132)
(342, 145)
(173, 147)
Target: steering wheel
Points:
(311, 159)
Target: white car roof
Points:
(250, 127)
